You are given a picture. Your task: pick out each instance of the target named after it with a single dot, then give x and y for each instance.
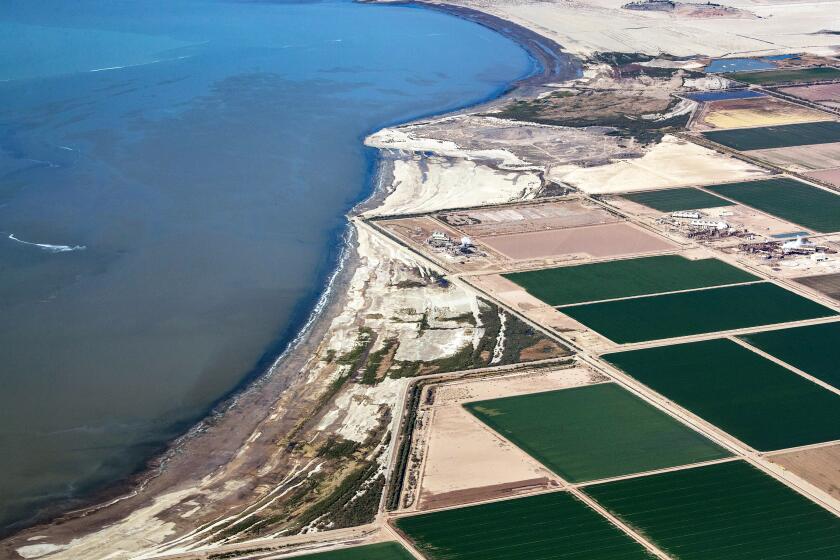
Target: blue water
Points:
(173, 180)
(724, 95)
(738, 65)
(791, 234)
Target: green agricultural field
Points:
(792, 76)
(379, 551)
(758, 401)
(595, 432)
(781, 136)
(703, 311)
(624, 278)
(791, 200)
(729, 511)
(673, 200)
(553, 526)
(814, 349)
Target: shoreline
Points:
(265, 384)
(555, 64)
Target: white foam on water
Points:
(107, 68)
(48, 247)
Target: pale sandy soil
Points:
(451, 178)
(511, 143)
(528, 217)
(425, 184)
(671, 163)
(421, 138)
(356, 411)
(802, 158)
(507, 291)
(140, 529)
(393, 311)
(594, 241)
(462, 453)
(584, 27)
(819, 466)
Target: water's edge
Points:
(312, 316)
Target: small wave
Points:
(107, 68)
(323, 301)
(48, 247)
(67, 148)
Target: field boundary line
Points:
(723, 438)
(618, 523)
(801, 448)
(656, 294)
(784, 364)
(673, 409)
(398, 514)
(404, 541)
(537, 266)
(685, 467)
(717, 334)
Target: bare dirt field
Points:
(527, 218)
(674, 162)
(831, 176)
(802, 158)
(465, 460)
(754, 111)
(828, 284)
(824, 94)
(819, 466)
(596, 241)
